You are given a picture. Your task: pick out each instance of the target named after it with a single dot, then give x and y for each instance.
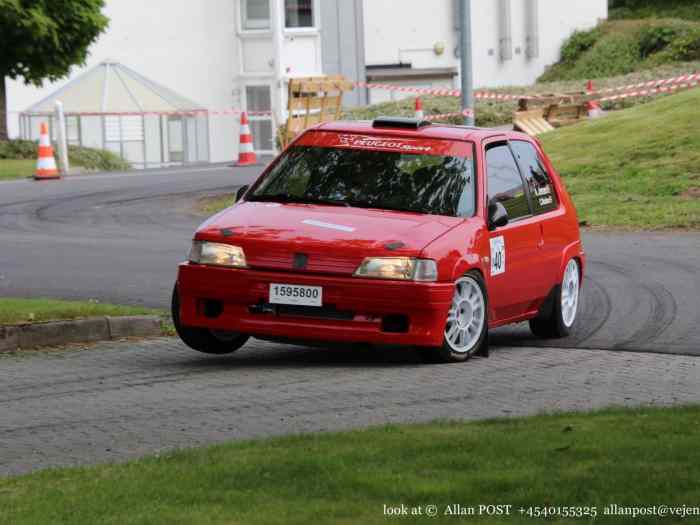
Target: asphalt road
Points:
(118, 238)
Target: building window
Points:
(259, 104)
(255, 14)
(298, 13)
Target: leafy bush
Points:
(617, 48)
(18, 149)
(615, 54)
(655, 39)
(88, 158)
(578, 43)
(687, 47)
(636, 9)
(96, 159)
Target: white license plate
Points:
(296, 294)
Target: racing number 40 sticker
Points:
(498, 256)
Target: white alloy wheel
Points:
(467, 315)
(570, 287)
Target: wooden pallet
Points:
(531, 122)
(562, 115)
(313, 100)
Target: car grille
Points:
(318, 262)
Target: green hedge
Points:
(635, 9)
(18, 149)
(96, 159)
(88, 158)
(618, 48)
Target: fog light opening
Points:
(395, 324)
(212, 308)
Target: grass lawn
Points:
(212, 204)
(641, 457)
(638, 168)
(16, 169)
(16, 311)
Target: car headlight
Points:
(404, 268)
(217, 254)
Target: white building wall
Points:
(407, 31)
(411, 30)
(186, 46)
(557, 19)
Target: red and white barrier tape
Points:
(464, 113)
(653, 91)
(191, 113)
(442, 92)
(682, 79)
(491, 95)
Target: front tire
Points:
(466, 326)
(203, 339)
(561, 317)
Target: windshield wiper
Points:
(287, 198)
(378, 206)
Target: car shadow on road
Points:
(255, 355)
(265, 355)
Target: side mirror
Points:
(498, 216)
(241, 191)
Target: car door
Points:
(514, 281)
(545, 206)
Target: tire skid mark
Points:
(41, 211)
(694, 273)
(663, 311)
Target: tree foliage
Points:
(42, 39)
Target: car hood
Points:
(336, 239)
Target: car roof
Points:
(434, 131)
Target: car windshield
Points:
(390, 180)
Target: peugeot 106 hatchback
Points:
(392, 232)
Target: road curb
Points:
(57, 333)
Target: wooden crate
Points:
(313, 100)
(562, 115)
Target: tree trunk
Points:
(3, 109)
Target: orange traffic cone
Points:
(45, 165)
(246, 153)
(594, 109)
(589, 86)
(420, 115)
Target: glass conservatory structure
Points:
(115, 108)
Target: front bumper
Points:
(354, 309)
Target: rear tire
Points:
(203, 339)
(559, 319)
(466, 326)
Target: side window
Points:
(504, 182)
(255, 14)
(544, 197)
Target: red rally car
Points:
(391, 232)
